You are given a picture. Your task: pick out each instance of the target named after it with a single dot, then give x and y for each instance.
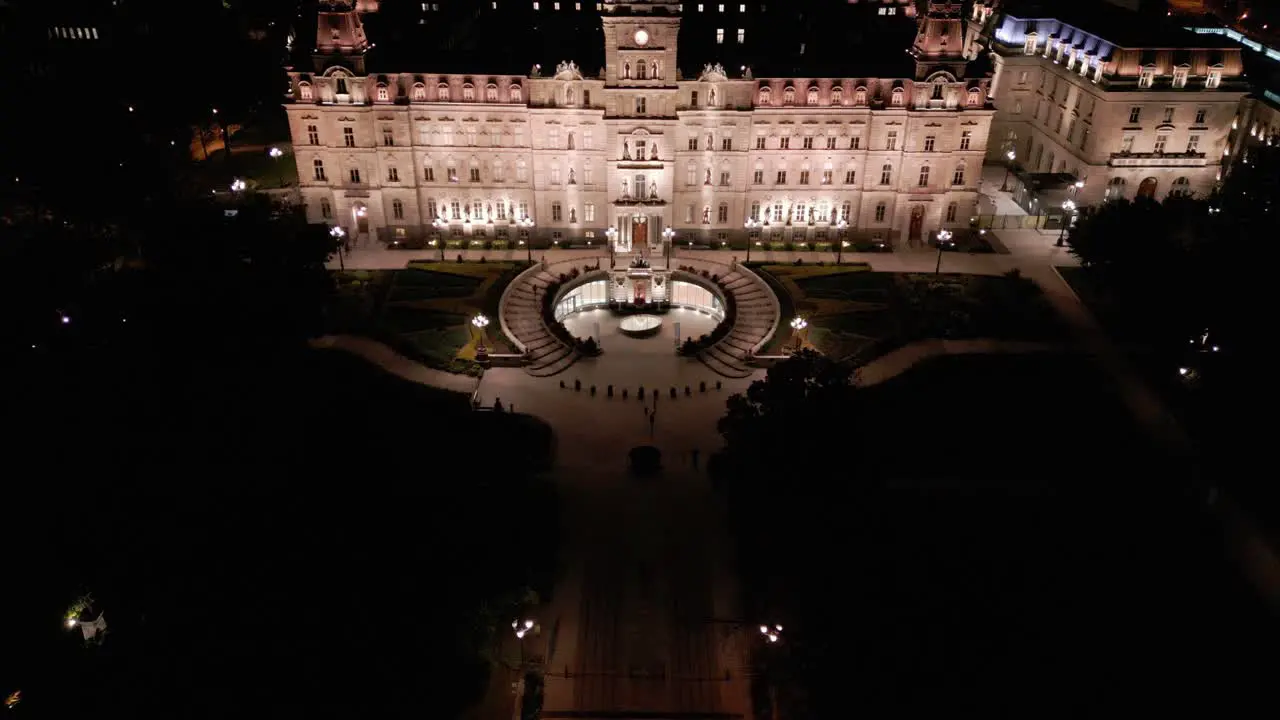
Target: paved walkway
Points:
(395, 363)
(904, 358)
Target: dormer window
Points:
(860, 96)
(491, 93)
(383, 94)
(765, 95)
(341, 85)
(1214, 79)
(898, 94)
(468, 92)
(514, 94)
(1148, 76)
(304, 90)
(975, 97)
(837, 96)
(1180, 76)
(1029, 47)
(442, 92)
(789, 96)
(419, 92)
(812, 98)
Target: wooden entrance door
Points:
(1147, 189)
(640, 235)
(916, 227)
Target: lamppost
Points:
(238, 185)
(526, 223)
(439, 224)
(752, 225)
(944, 238)
(337, 233)
(772, 635)
(480, 322)
(1068, 214)
(841, 228)
(1010, 156)
(798, 324)
(522, 628)
(275, 153)
(611, 235)
(668, 235)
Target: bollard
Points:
(609, 391)
(640, 392)
(702, 386)
(561, 384)
(673, 392)
(577, 384)
(624, 393)
(593, 391)
(717, 384)
(687, 391)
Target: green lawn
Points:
(858, 315)
(255, 167)
(425, 310)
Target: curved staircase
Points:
(521, 319)
(757, 317)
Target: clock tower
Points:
(640, 43)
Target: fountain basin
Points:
(639, 326)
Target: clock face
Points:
(642, 37)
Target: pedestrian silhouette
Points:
(497, 404)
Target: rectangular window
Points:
(804, 177)
(475, 174)
(318, 165)
(691, 175)
(742, 36)
(758, 177)
(929, 142)
(556, 211)
(1126, 143)
(693, 102)
(326, 209)
(855, 142)
(553, 137)
(524, 210)
(719, 36)
(726, 144)
(1199, 117)
(586, 175)
(429, 174)
(313, 135)
(1168, 115)
(951, 213)
(886, 174)
(588, 137)
(784, 143)
(891, 141)
(1161, 141)
(688, 214)
(1135, 113)
(724, 177)
(849, 177)
(354, 174)
(586, 98)
(965, 137)
(349, 136)
(589, 212)
(880, 212)
(555, 175)
(1180, 77)
(760, 142)
(722, 214)
(640, 106)
(826, 177)
(782, 178)
(393, 175)
(808, 142)
(388, 138)
(831, 142)
(1193, 144)
(924, 177)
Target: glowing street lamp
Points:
(944, 240)
(480, 322)
(1010, 156)
(841, 228)
(668, 235)
(238, 185)
(798, 324)
(1068, 214)
(337, 234)
(771, 633)
(523, 628)
(275, 153)
(751, 224)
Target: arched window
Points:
(886, 174)
(571, 143)
(765, 95)
(397, 209)
(442, 92)
(468, 92)
(383, 93)
(957, 177)
(975, 97)
(522, 171)
(924, 176)
(837, 96)
(860, 96)
(499, 172)
(1115, 188)
(514, 94)
(789, 96)
(1181, 188)
(812, 98)
(304, 90)
(491, 93)
(898, 96)
(419, 92)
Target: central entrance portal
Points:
(640, 234)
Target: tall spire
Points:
(939, 43)
(339, 32)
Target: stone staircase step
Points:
(720, 367)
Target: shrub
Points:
(561, 384)
(459, 257)
(482, 259)
(589, 347)
(799, 261)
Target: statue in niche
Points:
(573, 215)
(711, 142)
(746, 74)
(489, 211)
(706, 215)
(653, 190)
(654, 151)
(711, 97)
(572, 181)
(626, 71)
(626, 151)
(624, 188)
(708, 180)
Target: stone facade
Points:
(558, 156)
(1149, 116)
